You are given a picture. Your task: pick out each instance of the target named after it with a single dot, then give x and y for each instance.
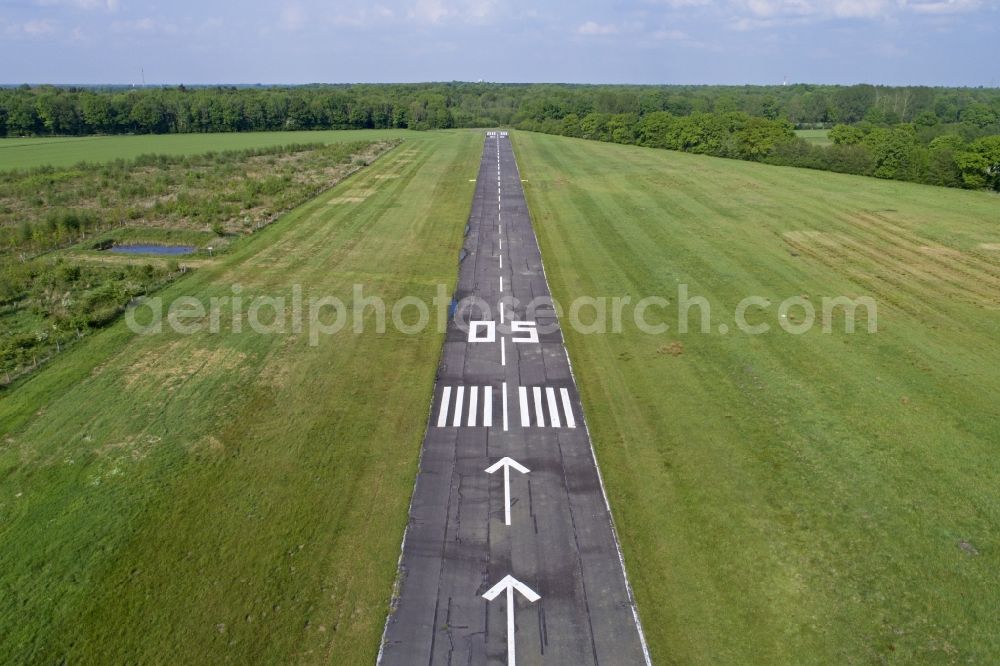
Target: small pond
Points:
(153, 249)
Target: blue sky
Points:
(933, 42)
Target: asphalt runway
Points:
(506, 401)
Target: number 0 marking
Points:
(491, 331)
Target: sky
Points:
(896, 42)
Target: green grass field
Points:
(819, 137)
(236, 497)
(780, 499)
(820, 498)
(65, 151)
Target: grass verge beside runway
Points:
(65, 151)
(236, 497)
(788, 498)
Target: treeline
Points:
(734, 134)
(940, 136)
(948, 155)
(52, 110)
(900, 152)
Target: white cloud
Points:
(145, 25)
(429, 11)
(942, 6)
(749, 14)
(292, 17)
(460, 11)
(38, 27)
(594, 28)
(109, 5)
(768, 9)
(480, 10)
(670, 35)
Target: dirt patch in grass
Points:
(356, 195)
(208, 443)
(175, 364)
(675, 349)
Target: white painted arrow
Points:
(506, 463)
(509, 583)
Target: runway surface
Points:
(510, 553)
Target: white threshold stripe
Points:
(522, 394)
(537, 399)
(443, 414)
(457, 419)
(473, 403)
(550, 395)
(505, 406)
(568, 408)
(539, 414)
(488, 406)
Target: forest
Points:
(941, 136)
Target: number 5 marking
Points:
(524, 327)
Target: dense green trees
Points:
(61, 110)
(980, 163)
(932, 135)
